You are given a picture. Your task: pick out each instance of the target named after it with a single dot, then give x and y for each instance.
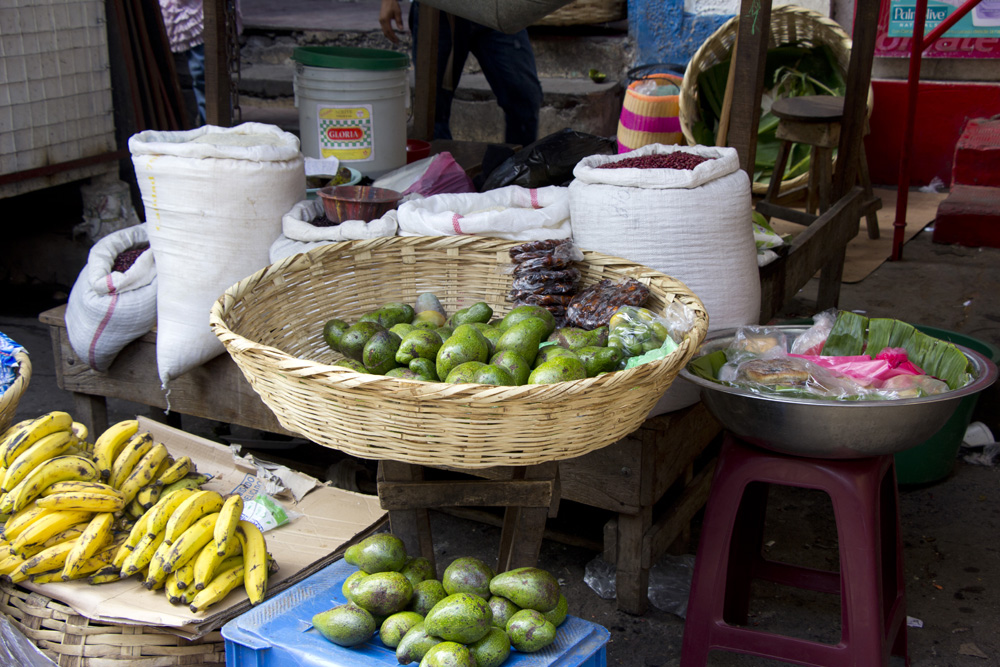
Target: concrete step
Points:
(969, 216)
(977, 154)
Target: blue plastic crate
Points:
(279, 633)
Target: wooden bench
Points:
(663, 462)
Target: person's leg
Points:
(196, 64)
(508, 62)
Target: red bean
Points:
(675, 160)
(126, 258)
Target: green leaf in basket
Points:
(847, 337)
(707, 366)
(879, 332)
(938, 358)
(901, 334)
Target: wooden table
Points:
(654, 480)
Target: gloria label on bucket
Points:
(352, 105)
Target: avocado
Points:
(502, 609)
(558, 615)
(333, 330)
(528, 631)
(448, 654)
(383, 593)
(444, 332)
(522, 338)
(402, 372)
(490, 333)
(345, 625)
(352, 343)
(381, 552)
(597, 360)
(426, 594)
(461, 617)
(389, 314)
(417, 569)
(477, 312)
(514, 364)
(352, 364)
(466, 343)
(402, 329)
(468, 575)
(573, 338)
(379, 353)
(547, 352)
(491, 650)
(351, 582)
(428, 301)
(425, 369)
(559, 369)
(495, 375)
(418, 343)
(429, 319)
(414, 644)
(465, 372)
(519, 313)
(394, 627)
(528, 588)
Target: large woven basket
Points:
(71, 640)
(271, 323)
(789, 24)
(12, 396)
(586, 12)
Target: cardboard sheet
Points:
(326, 520)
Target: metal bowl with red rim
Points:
(357, 202)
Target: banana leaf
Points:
(847, 337)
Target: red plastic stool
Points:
(870, 581)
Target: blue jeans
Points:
(196, 65)
(507, 61)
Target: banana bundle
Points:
(121, 507)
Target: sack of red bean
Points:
(544, 274)
(684, 211)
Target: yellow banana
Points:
(59, 469)
(43, 561)
(175, 594)
(225, 527)
(165, 465)
(70, 533)
(82, 500)
(155, 574)
(229, 577)
(48, 525)
(33, 431)
(148, 495)
(46, 577)
(21, 520)
(142, 473)
(189, 543)
(47, 447)
(91, 565)
(177, 471)
(80, 430)
(135, 510)
(95, 537)
(135, 535)
(9, 432)
(192, 480)
(80, 485)
(165, 508)
(142, 554)
(110, 444)
(184, 575)
(254, 560)
(134, 449)
(190, 511)
(106, 575)
(207, 562)
(10, 563)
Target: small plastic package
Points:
(595, 305)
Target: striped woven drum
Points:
(650, 119)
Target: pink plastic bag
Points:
(888, 363)
(443, 174)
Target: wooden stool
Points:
(530, 495)
(730, 555)
(814, 120)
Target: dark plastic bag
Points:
(549, 161)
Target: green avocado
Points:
(573, 338)
(429, 319)
(495, 375)
(333, 330)
(352, 343)
(519, 313)
(464, 372)
(414, 644)
(490, 333)
(599, 360)
(477, 312)
(379, 353)
(468, 575)
(402, 372)
(347, 588)
(426, 594)
(548, 352)
(529, 631)
(383, 593)
(528, 588)
(402, 329)
(381, 552)
(491, 650)
(466, 343)
(421, 343)
(352, 364)
(448, 654)
(502, 609)
(523, 338)
(461, 617)
(425, 369)
(560, 369)
(389, 314)
(558, 615)
(514, 364)
(345, 625)
(417, 569)
(396, 626)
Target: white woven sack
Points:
(214, 198)
(298, 234)
(109, 309)
(693, 225)
(512, 212)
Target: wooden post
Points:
(752, 36)
(425, 80)
(218, 107)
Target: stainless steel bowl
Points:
(831, 429)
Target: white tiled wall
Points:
(55, 89)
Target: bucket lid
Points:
(350, 57)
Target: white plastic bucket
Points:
(352, 105)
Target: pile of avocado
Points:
(420, 343)
(471, 617)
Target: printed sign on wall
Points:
(975, 35)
